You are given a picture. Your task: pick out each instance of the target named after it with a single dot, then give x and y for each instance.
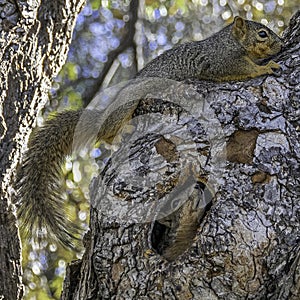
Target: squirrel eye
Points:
(263, 34)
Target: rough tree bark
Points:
(246, 237)
(34, 41)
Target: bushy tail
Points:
(38, 179)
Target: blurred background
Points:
(112, 40)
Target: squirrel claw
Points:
(273, 66)
(270, 68)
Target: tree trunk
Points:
(202, 200)
(34, 41)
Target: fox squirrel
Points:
(239, 51)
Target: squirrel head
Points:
(259, 41)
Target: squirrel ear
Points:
(239, 28)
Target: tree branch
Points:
(246, 244)
(34, 40)
(126, 42)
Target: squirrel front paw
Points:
(273, 67)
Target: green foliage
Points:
(95, 4)
(70, 71)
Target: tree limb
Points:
(246, 245)
(126, 42)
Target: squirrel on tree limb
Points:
(237, 52)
